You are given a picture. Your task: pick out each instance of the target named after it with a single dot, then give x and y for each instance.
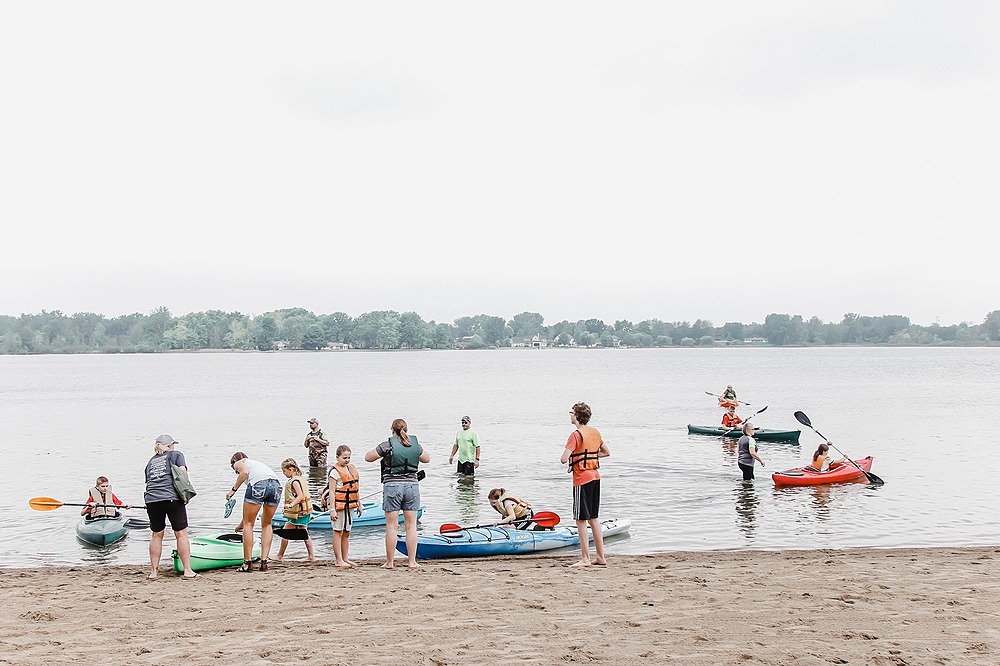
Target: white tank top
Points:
(258, 471)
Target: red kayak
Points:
(728, 403)
(807, 476)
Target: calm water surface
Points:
(925, 414)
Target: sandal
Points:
(263, 565)
(246, 567)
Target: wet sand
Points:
(855, 606)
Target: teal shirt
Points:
(467, 442)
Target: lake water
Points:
(925, 414)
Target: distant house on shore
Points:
(758, 341)
(535, 341)
(281, 345)
(338, 345)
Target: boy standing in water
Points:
(583, 449)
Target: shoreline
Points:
(855, 605)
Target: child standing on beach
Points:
(298, 507)
(344, 486)
(100, 495)
(582, 451)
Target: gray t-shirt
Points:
(744, 446)
(159, 481)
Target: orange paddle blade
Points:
(44, 503)
(546, 518)
(449, 527)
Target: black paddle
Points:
(804, 420)
(745, 421)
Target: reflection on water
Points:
(316, 479)
(747, 502)
(467, 499)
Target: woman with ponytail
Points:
(400, 456)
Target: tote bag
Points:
(182, 484)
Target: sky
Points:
(669, 160)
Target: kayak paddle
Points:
(804, 420)
(49, 504)
(542, 519)
(744, 422)
(716, 395)
(137, 523)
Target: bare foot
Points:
(275, 559)
(350, 564)
(580, 565)
(601, 563)
(414, 566)
(151, 576)
(388, 565)
(308, 559)
(343, 565)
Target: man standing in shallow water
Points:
(583, 449)
(467, 447)
(317, 444)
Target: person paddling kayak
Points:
(730, 418)
(821, 459)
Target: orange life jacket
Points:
(345, 497)
(584, 456)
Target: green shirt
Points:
(467, 442)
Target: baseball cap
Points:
(166, 439)
(466, 419)
(312, 421)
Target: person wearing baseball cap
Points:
(317, 444)
(467, 447)
(163, 502)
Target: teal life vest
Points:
(404, 459)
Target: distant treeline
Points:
(297, 328)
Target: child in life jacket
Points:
(344, 486)
(511, 508)
(297, 509)
(101, 494)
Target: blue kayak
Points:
(485, 541)
(371, 514)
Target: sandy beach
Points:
(857, 606)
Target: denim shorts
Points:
(266, 492)
(401, 496)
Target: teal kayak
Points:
(761, 434)
(485, 541)
(224, 550)
(101, 531)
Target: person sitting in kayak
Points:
(821, 459)
(511, 508)
(100, 495)
(730, 419)
(728, 397)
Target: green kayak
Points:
(762, 434)
(101, 531)
(225, 550)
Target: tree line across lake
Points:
(297, 328)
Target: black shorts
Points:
(467, 468)
(159, 512)
(587, 500)
(747, 471)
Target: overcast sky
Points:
(671, 160)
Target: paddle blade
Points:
(546, 519)
(449, 527)
(137, 523)
(44, 503)
(803, 419)
(421, 474)
(762, 409)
